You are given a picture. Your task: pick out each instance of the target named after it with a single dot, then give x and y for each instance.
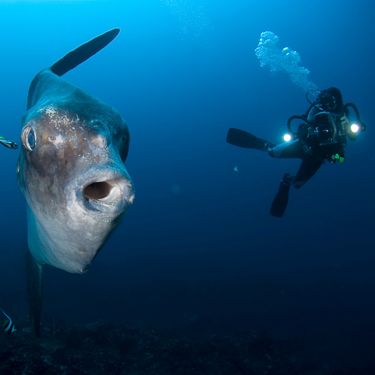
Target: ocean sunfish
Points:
(71, 172)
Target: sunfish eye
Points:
(28, 138)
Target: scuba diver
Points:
(319, 139)
(8, 144)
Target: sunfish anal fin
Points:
(34, 272)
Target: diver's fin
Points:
(244, 139)
(281, 200)
(34, 290)
(83, 52)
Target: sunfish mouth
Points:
(106, 191)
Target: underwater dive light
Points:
(354, 128)
(287, 137)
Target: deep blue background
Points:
(199, 240)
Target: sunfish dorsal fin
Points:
(83, 52)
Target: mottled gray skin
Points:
(71, 140)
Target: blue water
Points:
(181, 73)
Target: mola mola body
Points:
(71, 172)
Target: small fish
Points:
(8, 325)
(236, 169)
(8, 144)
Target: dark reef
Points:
(116, 349)
(112, 349)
